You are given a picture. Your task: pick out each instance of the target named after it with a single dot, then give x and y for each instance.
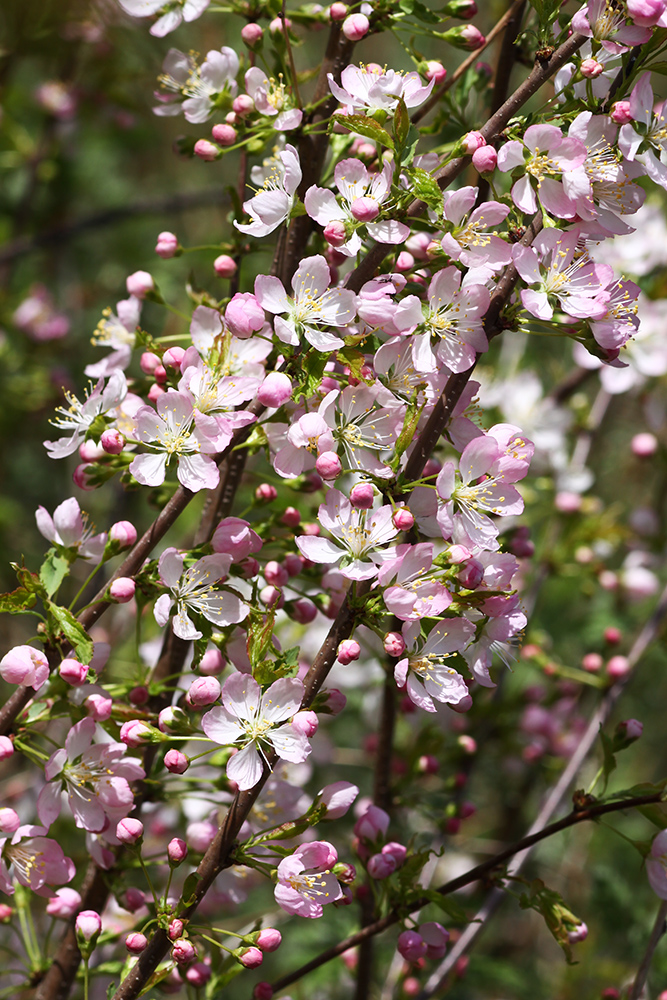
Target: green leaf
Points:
(410, 423)
(367, 127)
(17, 602)
(73, 631)
(401, 123)
(425, 187)
(419, 11)
(559, 920)
(448, 905)
(355, 361)
(411, 869)
(260, 636)
(410, 147)
(659, 67)
(189, 890)
(53, 571)
(312, 372)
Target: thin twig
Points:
(659, 928)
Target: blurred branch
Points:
(659, 928)
(110, 217)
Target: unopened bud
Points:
(355, 27)
(224, 135)
(206, 150)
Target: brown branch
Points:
(473, 875)
(659, 928)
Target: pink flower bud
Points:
(172, 357)
(329, 465)
(88, 925)
(212, 663)
(465, 37)
(372, 824)
(91, 451)
(485, 159)
(335, 233)
(428, 764)
(275, 390)
(293, 563)
(205, 150)
(567, 502)
(464, 706)
(405, 261)
(303, 611)
(464, 9)
(135, 942)
(306, 723)
(435, 71)
(265, 493)
(129, 830)
(269, 939)
(646, 13)
(134, 899)
(436, 938)
(272, 597)
(580, 933)
(124, 533)
(276, 25)
(122, 589)
(82, 477)
(338, 11)
(183, 952)
(224, 135)
(64, 904)
(155, 392)
(336, 701)
(355, 27)
(403, 519)
(139, 695)
(148, 362)
(620, 112)
(251, 958)
(167, 245)
(249, 568)
(135, 733)
(262, 991)
(291, 518)
(394, 644)
(176, 762)
(198, 975)
(204, 691)
(396, 851)
(139, 284)
(362, 496)
(243, 105)
(348, 650)
(275, 574)
(381, 866)
(73, 672)
(9, 820)
(411, 946)
(365, 209)
(591, 68)
(618, 666)
(612, 635)
(644, 445)
(6, 747)
(177, 851)
(251, 34)
(175, 929)
(244, 315)
(225, 266)
(470, 574)
(633, 728)
(472, 141)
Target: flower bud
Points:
(198, 975)
(644, 445)
(338, 11)
(262, 991)
(134, 899)
(646, 13)
(9, 820)
(355, 27)
(175, 929)
(335, 701)
(243, 105)
(436, 938)
(620, 112)
(579, 933)
(329, 465)
(630, 730)
(275, 574)
(173, 720)
(485, 159)
(612, 635)
(136, 942)
(618, 667)
(465, 37)
(183, 952)
(204, 691)
(464, 9)
(251, 34)
(269, 939)
(411, 946)
(88, 926)
(224, 135)
(177, 851)
(362, 496)
(396, 851)
(303, 611)
(471, 574)
(403, 519)
(405, 261)
(364, 209)
(591, 68)
(291, 518)
(472, 141)
(64, 904)
(176, 762)
(428, 764)
(592, 662)
(73, 672)
(306, 723)
(335, 233)
(148, 362)
(6, 747)
(206, 150)
(348, 650)
(278, 24)
(435, 71)
(167, 245)
(251, 958)
(139, 284)
(275, 390)
(394, 644)
(82, 477)
(129, 830)
(225, 266)
(265, 493)
(122, 589)
(173, 357)
(381, 866)
(124, 533)
(272, 597)
(135, 733)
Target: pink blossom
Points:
(436, 938)
(425, 669)
(415, 592)
(371, 88)
(64, 904)
(275, 101)
(337, 797)
(24, 665)
(454, 316)
(34, 861)
(69, 529)
(468, 239)
(305, 880)
(553, 264)
(78, 416)
(607, 26)
(193, 590)
(172, 13)
(543, 154)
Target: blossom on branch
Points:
(194, 589)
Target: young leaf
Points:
(559, 920)
(260, 634)
(401, 123)
(53, 571)
(426, 188)
(73, 631)
(17, 602)
(365, 126)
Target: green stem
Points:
(83, 587)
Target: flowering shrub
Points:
(367, 506)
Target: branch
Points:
(659, 928)
(473, 875)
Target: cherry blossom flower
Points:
(425, 670)
(118, 331)
(656, 865)
(606, 22)
(69, 529)
(79, 416)
(272, 205)
(353, 182)
(414, 594)
(357, 533)
(467, 238)
(314, 305)
(214, 399)
(398, 378)
(305, 880)
(455, 316)
(169, 432)
(173, 12)
(194, 590)
(273, 100)
(544, 153)
(34, 861)
(307, 438)
(577, 283)
(621, 320)
(197, 90)
(24, 665)
(505, 620)
(371, 88)
(645, 138)
(95, 777)
(361, 427)
(251, 718)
